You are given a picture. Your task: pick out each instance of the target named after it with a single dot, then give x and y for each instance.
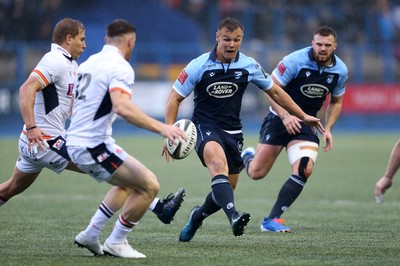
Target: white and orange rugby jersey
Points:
(56, 72)
(93, 115)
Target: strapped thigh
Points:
(302, 149)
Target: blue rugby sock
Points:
(287, 195)
(209, 207)
(223, 194)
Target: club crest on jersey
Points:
(222, 89)
(58, 144)
(329, 79)
(314, 90)
(238, 74)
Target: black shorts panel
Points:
(274, 132)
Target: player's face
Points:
(323, 47)
(78, 45)
(228, 44)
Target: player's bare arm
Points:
(283, 99)
(171, 112)
(172, 106)
(131, 113)
(332, 115)
(291, 122)
(27, 96)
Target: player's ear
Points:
(68, 39)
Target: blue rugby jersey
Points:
(307, 83)
(218, 88)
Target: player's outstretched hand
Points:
(164, 152)
(315, 123)
(292, 124)
(327, 138)
(172, 133)
(380, 188)
(35, 138)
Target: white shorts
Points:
(99, 162)
(53, 159)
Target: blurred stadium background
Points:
(172, 32)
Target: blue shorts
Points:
(273, 132)
(232, 143)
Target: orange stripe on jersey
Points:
(41, 76)
(121, 90)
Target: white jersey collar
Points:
(112, 48)
(56, 47)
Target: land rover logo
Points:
(314, 90)
(222, 89)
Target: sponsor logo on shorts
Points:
(240, 146)
(102, 157)
(56, 164)
(94, 173)
(59, 144)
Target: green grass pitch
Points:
(335, 221)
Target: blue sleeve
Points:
(261, 78)
(340, 89)
(285, 71)
(188, 79)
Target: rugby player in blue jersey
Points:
(308, 75)
(218, 80)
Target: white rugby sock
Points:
(121, 230)
(98, 221)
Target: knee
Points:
(256, 173)
(153, 187)
(305, 167)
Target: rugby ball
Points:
(182, 148)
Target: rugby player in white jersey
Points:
(102, 91)
(45, 102)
